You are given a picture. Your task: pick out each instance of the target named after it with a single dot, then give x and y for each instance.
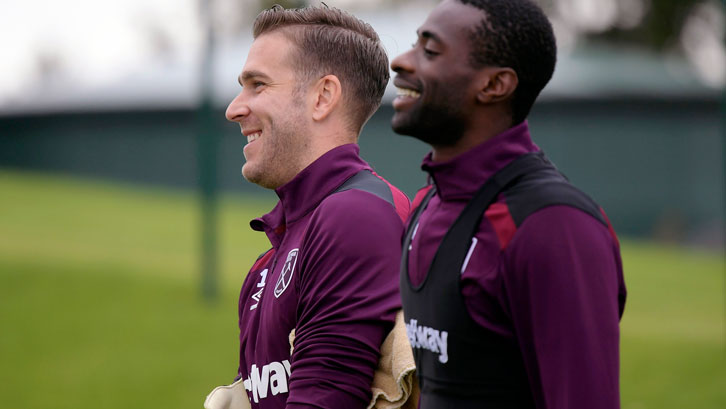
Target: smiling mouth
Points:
(407, 92)
(254, 136)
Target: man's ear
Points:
(327, 95)
(496, 84)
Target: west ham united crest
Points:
(286, 274)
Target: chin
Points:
(426, 135)
(402, 125)
(250, 175)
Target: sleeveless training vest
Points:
(459, 363)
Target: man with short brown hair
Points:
(312, 78)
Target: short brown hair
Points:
(331, 41)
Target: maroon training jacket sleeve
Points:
(562, 291)
(348, 289)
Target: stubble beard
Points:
(281, 155)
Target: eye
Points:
(427, 51)
(426, 45)
(253, 85)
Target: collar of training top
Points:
(461, 176)
(309, 187)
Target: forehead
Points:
(451, 22)
(269, 54)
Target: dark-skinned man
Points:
(511, 278)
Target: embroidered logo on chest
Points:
(286, 274)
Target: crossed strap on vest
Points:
(457, 239)
(471, 367)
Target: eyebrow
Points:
(247, 75)
(427, 34)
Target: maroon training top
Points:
(554, 285)
(333, 277)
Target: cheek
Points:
(274, 113)
(452, 87)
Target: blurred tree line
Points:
(658, 26)
(654, 24)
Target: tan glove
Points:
(232, 396)
(394, 382)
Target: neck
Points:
(483, 130)
(323, 139)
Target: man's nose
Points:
(403, 62)
(237, 109)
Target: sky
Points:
(76, 45)
(95, 41)
(80, 44)
(87, 40)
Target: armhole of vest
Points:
(502, 222)
(525, 203)
(597, 213)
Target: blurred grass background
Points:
(101, 300)
(100, 303)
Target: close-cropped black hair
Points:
(518, 35)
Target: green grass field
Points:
(100, 305)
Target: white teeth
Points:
(253, 137)
(407, 92)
